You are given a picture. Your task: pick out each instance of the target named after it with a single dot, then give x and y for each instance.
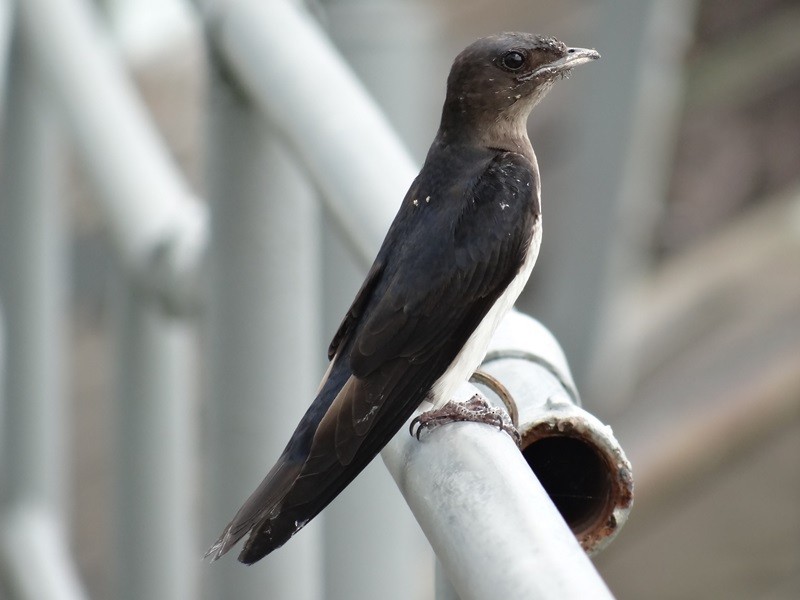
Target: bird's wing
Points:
(434, 296)
(357, 308)
(430, 300)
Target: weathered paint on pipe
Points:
(575, 456)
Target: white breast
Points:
(471, 355)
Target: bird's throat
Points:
(509, 134)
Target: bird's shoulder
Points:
(474, 171)
(460, 193)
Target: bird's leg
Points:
(476, 409)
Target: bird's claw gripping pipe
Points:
(477, 410)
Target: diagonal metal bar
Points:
(157, 227)
(320, 107)
(494, 527)
(491, 523)
(33, 541)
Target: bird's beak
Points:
(573, 58)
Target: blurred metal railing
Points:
(33, 550)
(269, 115)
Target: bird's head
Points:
(497, 80)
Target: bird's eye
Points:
(513, 60)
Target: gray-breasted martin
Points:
(456, 257)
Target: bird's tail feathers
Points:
(262, 503)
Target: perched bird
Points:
(456, 257)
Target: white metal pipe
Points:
(33, 290)
(289, 68)
(265, 355)
(373, 545)
(156, 225)
(491, 523)
(6, 27)
(401, 51)
(443, 586)
(495, 530)
(156, 541)
(34, 557)
(2, 375)
(574, 455)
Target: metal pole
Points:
(6, 26)
(370, 539)
(321, 108)
(2, 366)
(496, 530)
(157, 550)
(35, 557)
(33, 292)
(444, 588)
(155, 224)
(489, 520)
(265, 356)
(402, 52)
(575, 456)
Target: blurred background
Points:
(670, 273)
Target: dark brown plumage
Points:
(454, 260)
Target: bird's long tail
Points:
(261, 504)
(327, 451)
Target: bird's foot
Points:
(476, 409)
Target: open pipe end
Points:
(584, 471)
